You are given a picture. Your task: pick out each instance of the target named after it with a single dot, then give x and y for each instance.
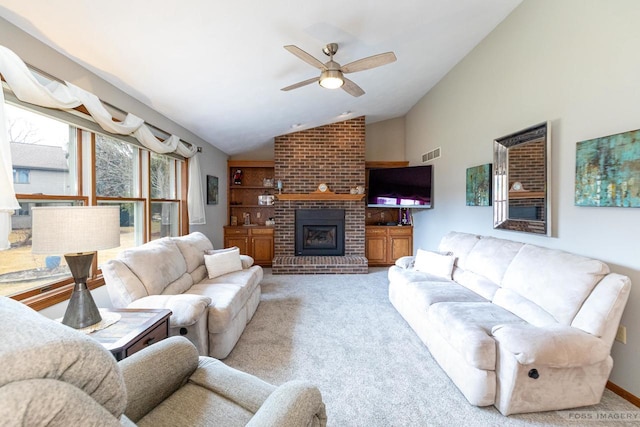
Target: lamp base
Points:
(81, 311)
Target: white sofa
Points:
(171, 273)
(521, 327)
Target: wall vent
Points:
(431, 155)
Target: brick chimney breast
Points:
(335, 155)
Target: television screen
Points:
(408, 187)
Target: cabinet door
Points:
(242, 242)
(376, 249)
(400, 246)
(262, 249)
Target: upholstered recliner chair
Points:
(53, 375)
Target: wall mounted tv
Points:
(407, 187)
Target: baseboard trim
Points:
(623, 393)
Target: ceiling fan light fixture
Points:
(331, 79)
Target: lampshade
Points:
(73, 229)
(331, 79)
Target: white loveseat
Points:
(171, 273)
(521, 327)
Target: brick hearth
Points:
(332, 154)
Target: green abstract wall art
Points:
(608, 171)
(479, 185)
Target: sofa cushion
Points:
(192, 246)
(490, 257)
(156, 264)
(229, 294)
(223, 262)
(123, 286)
(475, 282)
(557, 281)
(186, 309)
(458, 244)
(179, 285)
(424, 294)
(522, 307)
(440, 265)
(604, 305)
(401, 276)
(37, 348)
(467, 327)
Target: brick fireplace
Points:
(335, 155)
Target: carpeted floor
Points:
(342, 333)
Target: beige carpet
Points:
(342, 333)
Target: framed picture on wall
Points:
(212, 190)
(479, 185)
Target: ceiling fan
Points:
(332, 73)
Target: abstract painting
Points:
(479, 185)
(608, 171)
(212, 190)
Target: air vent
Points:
(431, 155)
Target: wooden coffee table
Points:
(136, 329)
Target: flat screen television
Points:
(407, 187)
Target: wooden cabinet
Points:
(385, 244)
(256, 178)
(255, 241)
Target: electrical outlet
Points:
(368, 214)
(621, 336)
(258, 215)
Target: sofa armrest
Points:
(153, 374)
(555, 346)
(405, 262)
(186, 309)
(246, 261)
(293, 404)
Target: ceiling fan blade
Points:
(305, 56)
(300, 84)
(351, 88)
(369, 62)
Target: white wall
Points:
(574, 63)
(385, 140)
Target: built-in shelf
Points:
(318, 195)
(526, 194)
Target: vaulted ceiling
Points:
(216, 68)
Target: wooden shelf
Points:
(250, 187)
(526, 194)
(317, 195)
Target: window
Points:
(165, 207)
(20, 270)
(54, 164)
(43, 152)
(116, 168)
(21, 176)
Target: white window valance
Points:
(67, 96)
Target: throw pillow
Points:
(247, 261)
(222, 262)
(435, 263)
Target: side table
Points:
(136, 329)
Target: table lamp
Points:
(77, 232)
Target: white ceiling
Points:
(217, 68)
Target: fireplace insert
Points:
(319, 232)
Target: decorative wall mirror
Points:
(521, 167)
